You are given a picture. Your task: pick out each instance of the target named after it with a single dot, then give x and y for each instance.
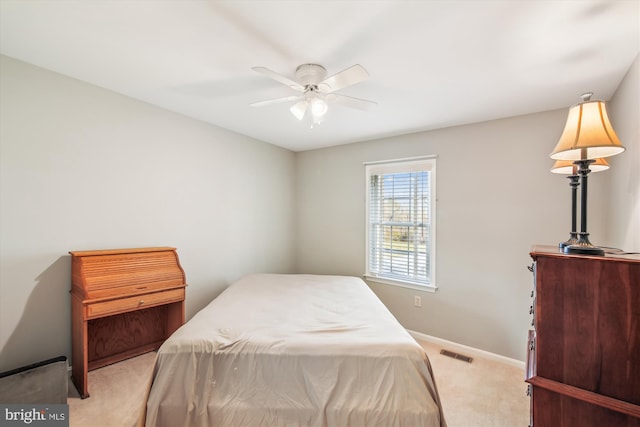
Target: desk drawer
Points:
(139, 302)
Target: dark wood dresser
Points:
(583, 364)
(124, 302)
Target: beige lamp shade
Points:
(567, 167)
(588, 133)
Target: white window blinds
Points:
(401, 222)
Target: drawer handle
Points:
(141, 302)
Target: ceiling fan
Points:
(317, 90)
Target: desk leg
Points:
(79, 352)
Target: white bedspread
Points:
(293, 350)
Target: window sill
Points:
(409, 285)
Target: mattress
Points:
(293, 351)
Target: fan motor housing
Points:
(310, 74)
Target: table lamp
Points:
(587, 135)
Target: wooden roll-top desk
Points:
(124, 302)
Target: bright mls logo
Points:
(37, 415)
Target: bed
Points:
(293, 351)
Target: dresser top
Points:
(555, 251)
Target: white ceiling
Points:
(432, 63)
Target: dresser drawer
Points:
(139, 302)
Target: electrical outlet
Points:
(417, 301)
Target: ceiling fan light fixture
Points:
(318, 106)
(299, 109)
(317, 90)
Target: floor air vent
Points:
(457, 356)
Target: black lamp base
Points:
(583, 246)
(573, 240)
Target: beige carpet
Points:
(483, 393)
(116, 394)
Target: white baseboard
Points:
(466, 350)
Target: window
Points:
(401, 222)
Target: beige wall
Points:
(85, 168)
(496, 198)
(623, 204)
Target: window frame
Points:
(427, 163)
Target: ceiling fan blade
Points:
(350, 101)
(279, 78)
(299, 109)
(275, 101)
(350, 76)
